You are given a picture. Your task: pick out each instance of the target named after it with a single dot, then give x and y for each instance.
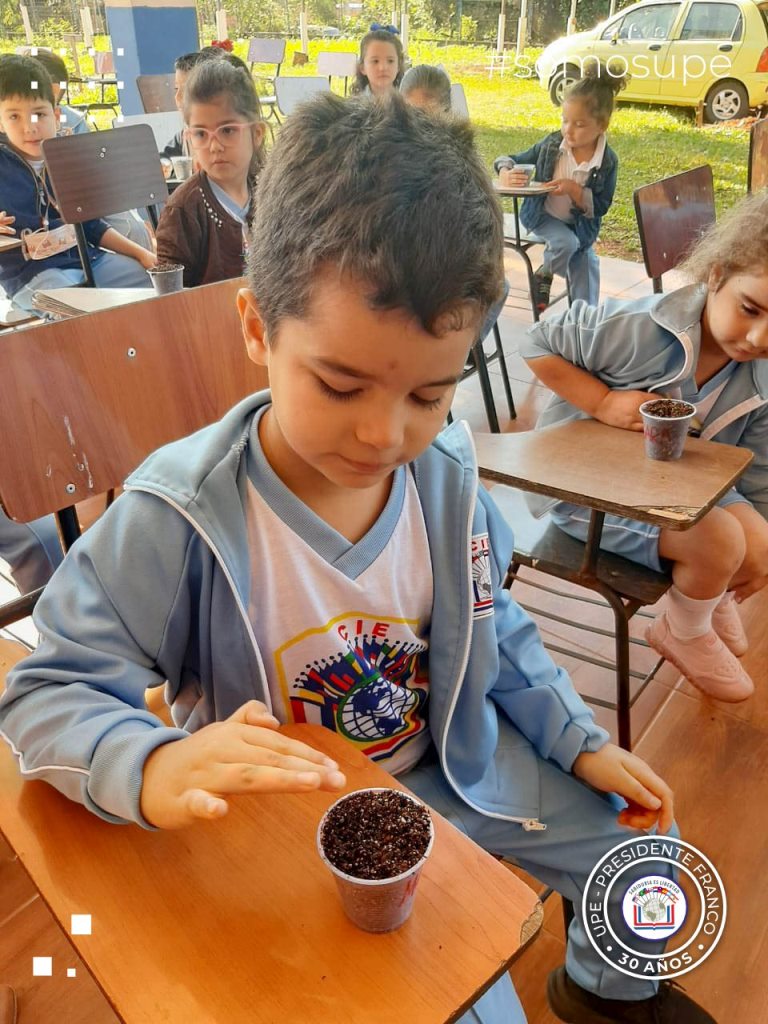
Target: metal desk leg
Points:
(485, 387)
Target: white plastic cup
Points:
(182, 167)
(527, 169)
(376, 904)
(168, 278)
(665, 435)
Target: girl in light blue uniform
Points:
(707, 343)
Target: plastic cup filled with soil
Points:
(665, 427)
(167, 278)
(375, 842)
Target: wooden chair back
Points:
(672, 214)
(157, 93)
(459, 100)
(339, 65)
(164, 124)
(96, 174)
(290, 91)
(266, 51)
(757, 168)
(84, 401)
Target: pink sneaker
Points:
(727, 623)
(705, 661)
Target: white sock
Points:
(689, 617)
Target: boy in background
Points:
(321, 555)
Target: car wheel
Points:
(726, 101)
(560, 82)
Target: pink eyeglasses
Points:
(225, 134)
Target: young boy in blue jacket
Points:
(321, 555)
(27, 118)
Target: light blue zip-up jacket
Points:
(652, 344)
(157, 590)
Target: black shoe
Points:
(542, 286)
(575, 1005)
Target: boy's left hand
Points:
(614, 770)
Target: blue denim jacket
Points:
(599, 189)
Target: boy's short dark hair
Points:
(389, 196)
(54, 65)
(17, 75)
(188, 60)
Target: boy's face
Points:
(736, 317)
(179, 81)
(27, 122)
(356, 392)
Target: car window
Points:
(713, 21)
(764, 12)
(652, 22)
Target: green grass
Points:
(511, 113)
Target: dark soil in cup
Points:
(161, 267)
(668, 408)
(376, 835)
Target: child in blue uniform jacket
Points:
(707, 342)
(321, 555)
(581, 168)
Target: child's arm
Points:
(118, 243)
(181, 240)
(528, 156)
(586, 392)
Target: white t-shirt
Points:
(344, 639)
(566, 167)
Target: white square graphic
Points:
(42, 966)
(120, 51)
(33, 84)
(71, 972)
(81, 924)
(120, 85)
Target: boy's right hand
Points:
(622, 409)
(191, 778)
(5, 221)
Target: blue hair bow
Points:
(376, 27)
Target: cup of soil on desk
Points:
(375, 842)
(665, 427)
(167, 278)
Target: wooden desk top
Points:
(9, 242)
(239, 921)
(535, 188)
(605, 468)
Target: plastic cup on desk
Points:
(518, 176)
(372, 832)
(665, 427)
(182, 167)
(167, 278)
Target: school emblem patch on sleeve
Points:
(481, 577)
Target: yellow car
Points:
(678, 52)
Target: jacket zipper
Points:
(227, 575)
(528, 824)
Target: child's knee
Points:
(716, 544)
(755, 560)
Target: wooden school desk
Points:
(516, 237)
(605, 469)
(239, 921)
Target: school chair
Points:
(79, 399)
(290, 91)
(103, 76)
(267, 52)
(672, 214)
(757, 167)
(459, 100)
(338, 65)
(164, 124)
(101, 173)
(157, 93)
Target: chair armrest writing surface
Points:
(605, 468)
(84, 401)
(243, 919)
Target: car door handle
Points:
(655, 46)
(725, 47)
